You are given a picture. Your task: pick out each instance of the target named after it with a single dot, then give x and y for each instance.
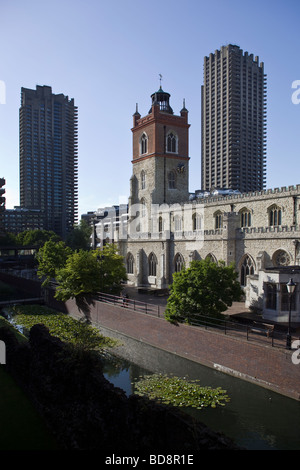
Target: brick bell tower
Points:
(160, 154)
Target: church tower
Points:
(160, 155)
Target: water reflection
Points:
(255, 418)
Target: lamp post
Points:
(290, 288)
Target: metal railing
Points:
(226, 326)
(132, 304)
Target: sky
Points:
(108, 56)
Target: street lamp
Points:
(290, 288)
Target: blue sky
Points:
(108, 57)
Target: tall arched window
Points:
(178, 262)
(130, 263)
(143, 180)
(197, 221)
(218, 219)
(172, 142)
(274, 215)
(144, 144)
(210, 257)
(152, 264)
(245, 216)
(178, 223)
(160, 224)
(171, 180)
(247, 268)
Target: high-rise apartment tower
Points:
(48, 157)
(233, 121)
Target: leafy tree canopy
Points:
(205, 288)
(79, 238)
(89, 272)
(35, 237)
(51, 257)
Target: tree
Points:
(89, 272)
(36, 237)
(112, 269)
(51, 257)
(205, 288)
(79, 238)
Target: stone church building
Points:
(165, 227)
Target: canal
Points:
(255, 418)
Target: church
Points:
(165, 227)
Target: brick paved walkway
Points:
(262, 364)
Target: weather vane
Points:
(160, 79)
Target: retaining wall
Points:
(261, 364)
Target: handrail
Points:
(226, 326)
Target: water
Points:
(255, 418)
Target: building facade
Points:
(164, 227)
(48, 157)
(233, 121)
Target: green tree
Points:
(89, 272)
(51, 257)
(205, 288)
(79, 238)
(36, 237)
(112, 269)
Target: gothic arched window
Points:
(197, 221)
(171, 180)
(152, 264)
(143, 180)
(172, 142)
(245, 215)
(218, 220)
(144, 144)
(274, 215)
(130, 263)
(247, 268)
(178, 263)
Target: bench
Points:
(264, 328)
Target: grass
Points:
(22, 428)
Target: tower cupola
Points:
(161, 98)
